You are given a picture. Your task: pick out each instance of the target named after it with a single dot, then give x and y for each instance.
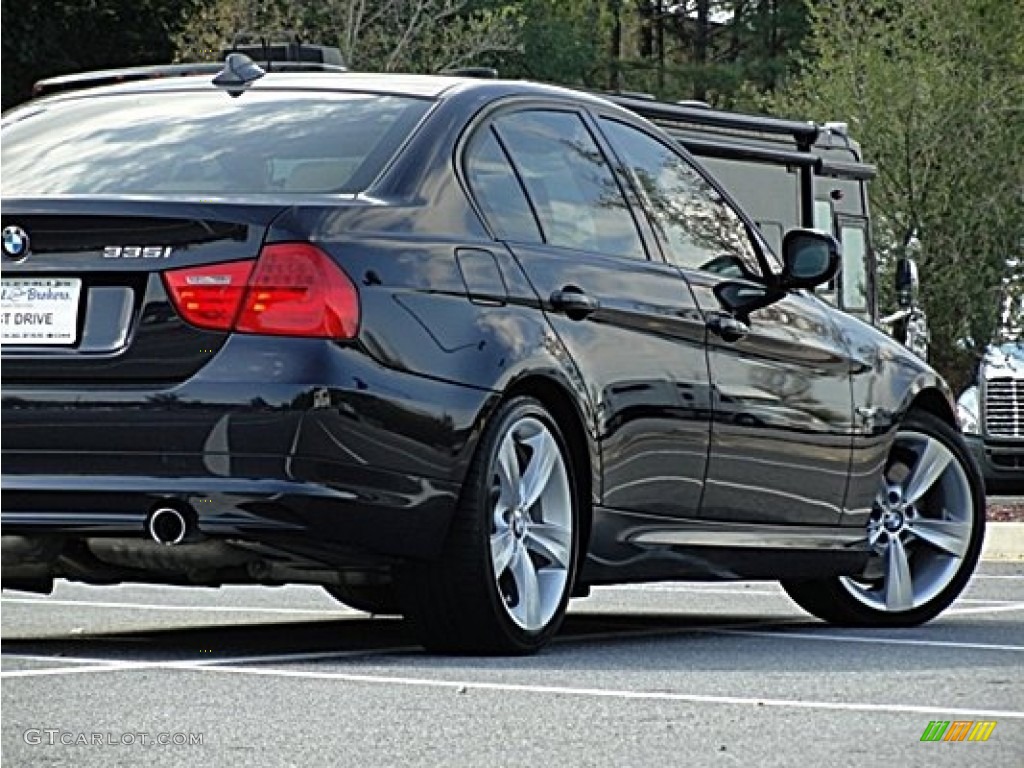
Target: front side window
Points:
(205, 143)
(699, 229)
(577, 199)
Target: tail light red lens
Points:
(209, 297)
(298, 290)
(293, 289)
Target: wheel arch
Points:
(933, 400)
(583, 448)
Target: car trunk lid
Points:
(84, 300)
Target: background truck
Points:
(992, 410)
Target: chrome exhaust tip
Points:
(167, 525)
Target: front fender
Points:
(887, 381)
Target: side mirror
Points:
(741, 298)
(907, 283)
(810, 258)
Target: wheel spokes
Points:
(538, 471)
(528, 607)
(503, 547)
(921, 527)
(946, 535)
(899, 587)
(930, 465)
(550, 541)
(531, 525)
(509, 478)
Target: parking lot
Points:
(679, 674)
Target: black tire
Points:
(830, 599)
(454, 604)
(377, 599)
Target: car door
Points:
(629, 323)
(781, 434)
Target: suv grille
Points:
(1004, 408)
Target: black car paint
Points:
(797, 438)
(352, 452)
(70, 233)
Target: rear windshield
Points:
(207, 143)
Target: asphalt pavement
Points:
(660, 675)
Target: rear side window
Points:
(577, 199)
(498, 191)
(200, 142)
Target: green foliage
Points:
(562, 42)
(373, 35)
(723, 50)
(43, 38)
(716, 50)
(933, 90)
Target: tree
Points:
(720, 51)
(43, 38)
(378, 35)
(933, 90)
(562, 42)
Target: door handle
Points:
(574, 303)
(727, 327)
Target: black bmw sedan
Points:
(451, 348)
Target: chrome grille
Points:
(1004, 407)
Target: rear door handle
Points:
(574, 303)
(727, 327)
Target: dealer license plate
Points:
(39, 310)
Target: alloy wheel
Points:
(532, 519)
(920, 528)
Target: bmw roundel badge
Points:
(15, 242)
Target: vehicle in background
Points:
(992, 409)
(992, 417)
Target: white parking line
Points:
(341, 609)
(72, 670)
(997, 576)
(118, 665)
(872, 639)
(988, 609)
(613, 693)
(628, 634)
(984, 601)
(95, 664)
(66, 659)
(690, 589)
(306, 656)
(697, 590)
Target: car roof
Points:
(420, 86)
(626, 105)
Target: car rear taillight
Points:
(209, 297)
(297, 290)
(293, 289)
